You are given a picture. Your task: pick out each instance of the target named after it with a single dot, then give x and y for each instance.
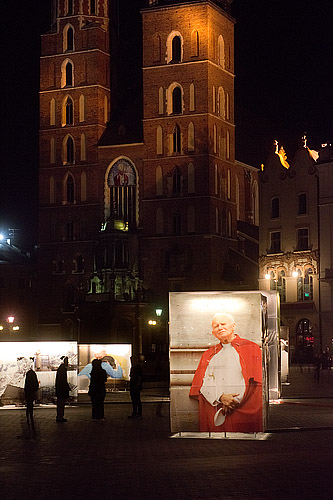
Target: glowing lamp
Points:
(10, 319)
(158, 312)
(295, 274)
(15, 328)
(1, 327)
(267, 276)
(152, 322)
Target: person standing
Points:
(62, 390)
(97, 390)
(31, 385)
(136, 387)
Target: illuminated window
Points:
(159, 140)
(52, 111)
(157, 48)
(220, 45)
(159, 181)
(305, 285)
(194, 43)
(121, 194)
(176, 139)
(176, 100)
(190, 137)
(281, 285)
(221, 102)
(176, 181)
(303, 239)
(275, 245)
(67, 73)
(275, 208)
(81, 108)
(302, 204)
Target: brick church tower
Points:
(140, 193)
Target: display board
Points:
(115, 361)
(16, 358)
(218, 385)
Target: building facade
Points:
(140, 192)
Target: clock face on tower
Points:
(122, 174)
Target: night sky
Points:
(283, 88)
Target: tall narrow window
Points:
(121, 194)
(228, 184)
(229, 223)
(69, 7)
(81, 108)
(220, 103)
(83, 155)
(69, 74)
(52, 111)
(157, 48)
(275, 245)
(281, 285)
(176, 49)
(159, 140)
(190, 137)
(70, 39)
(227, 105)
(217, 221)
(192, 97)
(161, 101)
(69, 111)
(194, 43)
(176, 223)
(159, 181)
(216, 179)
(93, 7)
(176, 139)
(70, 189)
(275, 208)
(303, 239)
(221, 57)
(177, 100)
(176, 181)
(69, 150)
(214, 139)
(228, 145)
(190, 178)
(214, 98)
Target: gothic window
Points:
(214, 138)
(121, 194)
(68, 150)
(221, 102)
(192, 97)
(228, 145)
(176, 100)
(52, 111)
(227, 105)
(157, 48)
(176, 139)
(275, 208)
(224, 223)
(83, 155)
(78, 264)
(216, 177)
(69, 111)
(69, 73)
(194, 43)
(176, 181)
(81, 108)
(159, 181)
(68, 39)
(70, 189)
(159, 221)
(190, 178)
(220, 45)
(161, 101)
(159, 140)
(176, 49)
(176, 223)
(190, 137)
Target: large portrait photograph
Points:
(217, 362)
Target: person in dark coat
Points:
(62, 390)
(31, 385)
(97, 390)
(136, 387)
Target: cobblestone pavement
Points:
(136, 459)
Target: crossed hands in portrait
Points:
(229, 403)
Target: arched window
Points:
(192, 97)
(190, 178)
(159, 181)
(176, 49)
(81, 108)
(190, 137)
(68, 150)
(194, 43)
(220, 45)
(52, 111)
(83, 155)
(52, 151)
(157, 48)
(161, 101)
(228, 184)
(159, 140)
(214, 98)
(69, 112)
(176, 139)
(220, 102)
(228, 145)
(67, 73)
(159, 221)
(190, 220)
(83, 186)
(121, 194)
(70, 190)
(176, 181)
(214, 139)
(68, 39)
(176, 100)
(227, 105)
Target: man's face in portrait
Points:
(223, 328)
